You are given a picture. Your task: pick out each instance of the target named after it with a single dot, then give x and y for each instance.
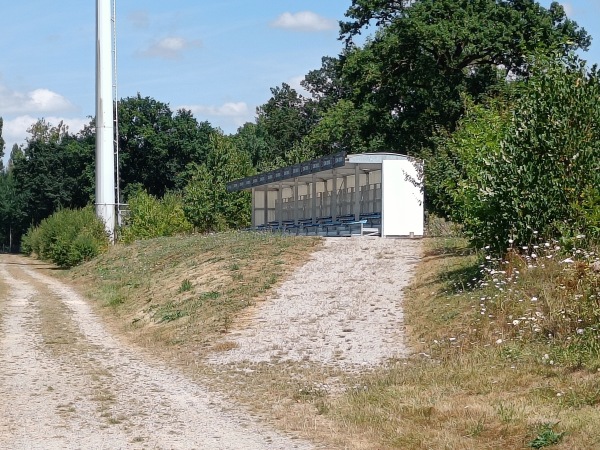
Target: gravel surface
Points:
(80, 388)
(343, 308)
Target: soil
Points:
(67, 383)
(343, 309)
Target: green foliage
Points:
(157, 146)
(285, 119)
(11, 211)
(405, 86)
(546, 436)
(406, 82)
(67, 238)
(53, 170)
(1, 146)
(207, 204)
(150, 217)
(186, 285)
(529, 167)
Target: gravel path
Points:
(342, 308)
(66, 383)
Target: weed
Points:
(211, 295)
(115, 301)
(546, 436)
(186, 285)
(507, 412)
(477, 428)
(172, 315)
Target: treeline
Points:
(488, 92)
(160, 151)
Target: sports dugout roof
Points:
(341, 185)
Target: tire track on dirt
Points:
(154, 405)
(44, 403)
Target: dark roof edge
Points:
(303, 168)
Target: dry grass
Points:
(460, 389)
(472, 384)
(188, 290)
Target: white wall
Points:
(402, 212)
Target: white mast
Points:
(116, 103)
(105, 159)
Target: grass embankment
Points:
(505, 356)
(188, 290)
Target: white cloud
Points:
(227, 109)
(171, 47)
(294, 82)
(303, 21)
(36, 101)
(229, 116)
(15, 130)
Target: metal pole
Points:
(105, 162)
(116, 103)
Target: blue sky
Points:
(217, 58)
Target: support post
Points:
(334, 196)
(253, 219)
(279, 210)
(266, 203)
(296, 212)
(314, 198)
(356, 193)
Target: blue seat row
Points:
(344, 225)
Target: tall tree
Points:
(511, 175)
(207, 204)
(1, 146)
(285, 119)
(12, 212)
(53, 170)
(410, 77)
(157, 146)
(16, 153)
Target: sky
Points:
(217, 58)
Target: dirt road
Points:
(343, 308)
(67, 383)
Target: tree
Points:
(16, 154)
(426, 55)
(207, 204)
(12, 214)
(285, 120)
(1, 146)
(156, 147)
(253, 140)
(53, 170)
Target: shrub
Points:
(150, 217)
(67, 238)
(529, 163)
